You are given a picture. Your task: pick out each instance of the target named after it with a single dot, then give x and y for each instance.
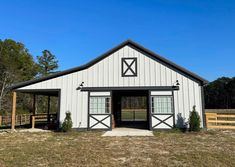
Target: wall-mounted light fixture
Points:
(80, 86)
(176, 83)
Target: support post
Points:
(48, 109)
(34, 111)
(13, 112)
(33, 121)
(34, 104)
(206, 123)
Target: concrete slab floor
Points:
(128, 132)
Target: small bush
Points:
(194, 120)
(67, 124)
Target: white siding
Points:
(107, 73)
(161, 93)
(100, 93)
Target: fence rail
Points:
(43, 117)
(220, 121)
(27, 119)
(222, 111)
(21, 119)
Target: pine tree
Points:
(194, 120)
(67, 124)
(47, 63)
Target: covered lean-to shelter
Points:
(127, 86)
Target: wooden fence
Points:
(223, 111)
(220, 120)
(27, 119)
(21, 119)
(44, 117)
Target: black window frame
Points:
(129, 67)
(106, 107)
(162, 96)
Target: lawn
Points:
(207, 148)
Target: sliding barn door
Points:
(99, 116)
(162, 110)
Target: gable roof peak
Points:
(106, 54)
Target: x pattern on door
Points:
(129, 67)
(99, 121)
(162, 121)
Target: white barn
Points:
(127, 86)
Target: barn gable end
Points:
(128, 65)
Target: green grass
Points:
(166, 148)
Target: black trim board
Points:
(106, 54)
(88, 112)
(158, 88)
(173, 105)
(51, 92)
(203, 108)
(150, 110)
(59, 109)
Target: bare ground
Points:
(207, 148)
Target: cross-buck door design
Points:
(98, 121)
(162, 115)
(99, 116)
(129, 67)
(162, 121)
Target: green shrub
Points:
(67, 124)
(194, 120)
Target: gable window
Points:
(129, 67)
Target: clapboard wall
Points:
(107, 73)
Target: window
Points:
(100, 105)
(162, 104)
(129, 67)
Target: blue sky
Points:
(196, 34)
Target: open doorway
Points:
(130, 109)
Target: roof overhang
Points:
(44, 92)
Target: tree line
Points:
(17, 65)
(220, 94)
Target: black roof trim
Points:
(106, 54)
(49, 92)
(163, 88)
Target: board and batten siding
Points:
(107, 73)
